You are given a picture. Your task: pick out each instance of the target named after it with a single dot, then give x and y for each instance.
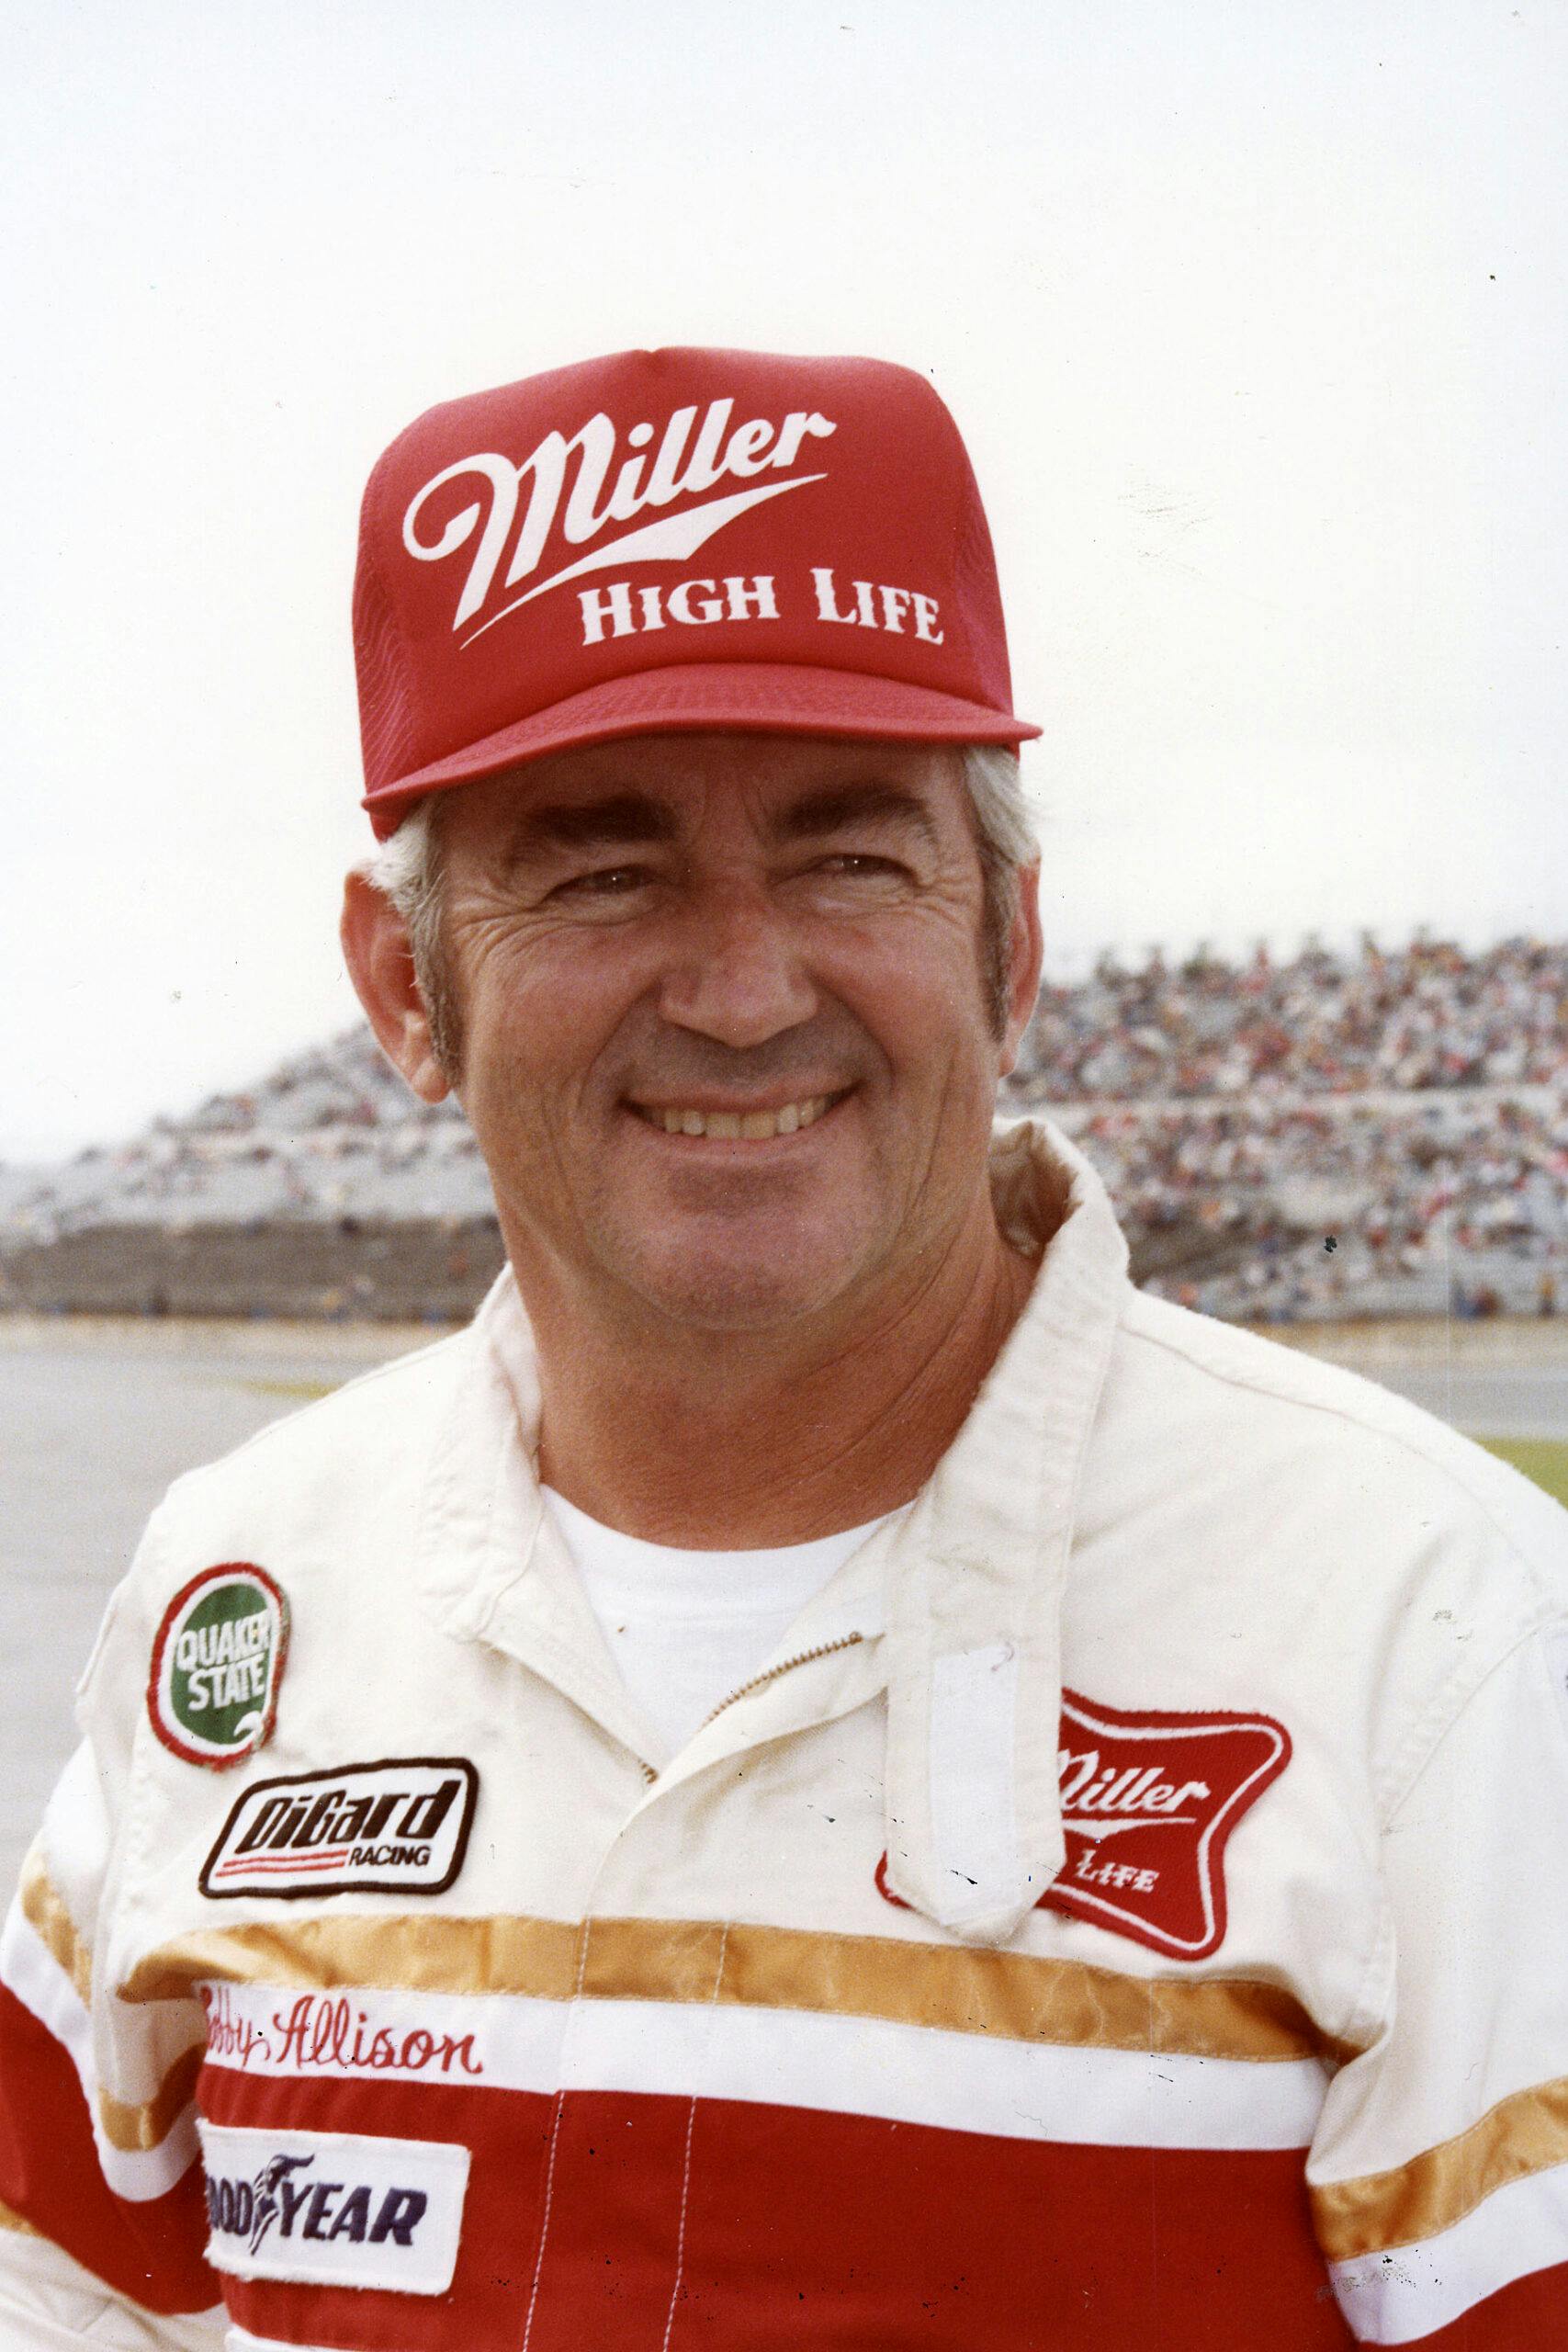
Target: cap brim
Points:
(748, 697)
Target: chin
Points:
(729, 1291)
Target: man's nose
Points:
(736, 973)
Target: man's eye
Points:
(604, 882)
(859, 865)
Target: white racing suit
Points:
(1131, 1912)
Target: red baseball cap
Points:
(666, 541)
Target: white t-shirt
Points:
(688, 1628)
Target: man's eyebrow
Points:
(593, 824)
(842, 806)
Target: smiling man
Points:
(827, 1773)
(732, 1013)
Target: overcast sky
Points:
(1253, 317)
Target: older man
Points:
(827, 1773)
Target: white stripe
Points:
(1407, 2292)
(953, 2081)
(974, 1820)
(43, 1986)
(789, 2057)
(507, 2040)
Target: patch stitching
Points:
(390, 2190)
(1156, 1726)
(313, 1888)
(219, 1759)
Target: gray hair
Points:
(406, 868)
(1007, 841)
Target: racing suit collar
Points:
(973, 1573)
(972, 1654)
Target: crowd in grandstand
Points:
(1331, 1134)
(1343, 1206)
(1381, 1131)
(1426, 1015)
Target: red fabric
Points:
(48, 2174)
(1532, 2315)
(684, 480)
(797, 2228)
(807, 2228)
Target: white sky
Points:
(1253, 317)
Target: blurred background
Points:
(1254, 322)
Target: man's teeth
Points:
(754, 1126)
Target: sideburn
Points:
(432, 966)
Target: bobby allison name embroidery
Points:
(398, 1827)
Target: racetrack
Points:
(97, 1417)
(95, 1421)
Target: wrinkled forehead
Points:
(689, 786)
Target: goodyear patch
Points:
(334, 2209)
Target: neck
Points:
(735, 1441)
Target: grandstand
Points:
(1326, 1136)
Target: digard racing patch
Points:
(1148, 1800)
(400, 1826)
(217, 1662)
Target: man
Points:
(828, 1772)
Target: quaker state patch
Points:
(217, 1663)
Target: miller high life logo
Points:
(585, 485)
(1147, 1803)
(1148, 1800)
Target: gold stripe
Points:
(18, 2222)
(398, 1955)
(45, 1913)
(128, 2125)
(1007, 1996)
(1525, 2134)
(137, 2129)
(1010, 1997)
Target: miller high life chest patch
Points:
(1148, 1800)
(217, 1662)
(398, 1827)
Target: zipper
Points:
(784, 1666)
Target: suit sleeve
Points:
(1439, 2172)
(101, 2209)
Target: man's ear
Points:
(1025, 953)
(380, 964)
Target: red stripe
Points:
(487, 2307)
(49, 2173)
(330, 1857)
(1529, 2316)
(843, 2231)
